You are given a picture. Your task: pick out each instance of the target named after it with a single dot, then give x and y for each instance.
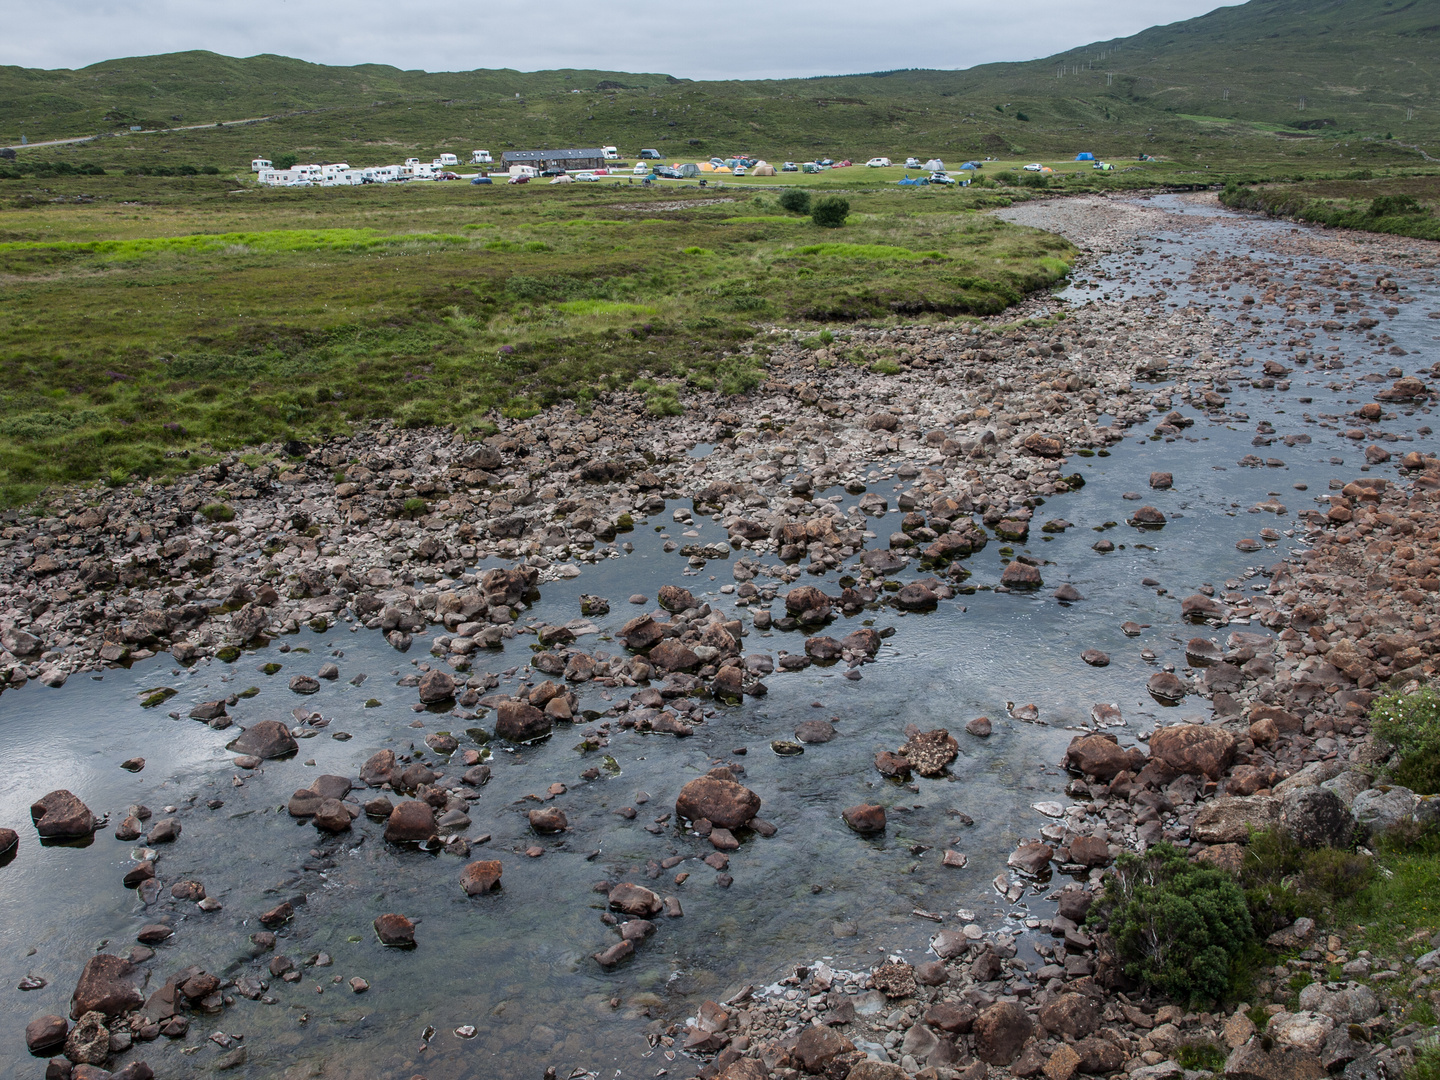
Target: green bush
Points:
(664, 400)
(416, 507)
(217, 512)
(796, 201)
(1427, 1061)
(830, 212)
(284, 161)
(1177, 925)
(1386, 205)
(1411, 723)
(1283, 881)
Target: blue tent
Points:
(1085, 156)
(969, 165)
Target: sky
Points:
(697, 39)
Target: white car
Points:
(641, 169)
(941, 178)
(586, 177)
(878, 163)
(1034, 166)
(912, 163)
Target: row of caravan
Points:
(341, 174)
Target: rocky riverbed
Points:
(829, 524)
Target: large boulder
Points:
(518, 722)
(818, 1046)
(379, 769)
(1000, 1032)
(1230, 821)
(1102, 756)
(45, 1033)
(1197, 749)
(1072, 1015)
(1348, 1003)
(60, 814)
(481, 876)
(436, 686)
(635, 900)
(717, 798)
(105, 987)
(1317, 818)
(267, 739)
(1381, 809)
(411, 822)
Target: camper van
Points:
(445, 161)
(481, 157)
(260, 164)
(411, 162)
(611, 153)
(650, 155)
(329, 172)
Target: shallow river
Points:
(516, 964)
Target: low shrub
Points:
(217, 512)
(830, 212)
(1386, 205)
(1283, 881)
(1176, 924)
(1411, 724)
(796, 201)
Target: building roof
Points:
(551, 155)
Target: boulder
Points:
(267, 739)
(332, 816)
(1381, 809)
(818, 1046)
(45, 1033)
(1031, 858)
(61, 814)
(1317, 818)
(866, 819)
(671, 655)
(1304, 1030)
(1348, 1003)
(1000, 1032)
(1196, 749)
(1072, 1015)
(547, 820)
(436, 686)
(635, 900)
(105, 987)
(396, 931)
(411, 821)
(88, 1042)
(516, 721)
(931, 751)
(481, 876)
(717, 798)
(1101, 756)
(1230, 820)
(379, 768)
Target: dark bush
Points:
(1022, 116)
(284, 161)
(210, 170)
(830, 212)
(1283, 881)
(795, 201)
(1177, 924)
(1388, 205)
(1035, 180)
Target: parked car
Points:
(941, 178)
(482, 180)
(912, 163)
(447, 176)
(789, 166)
(586, 177)
(739, 170)
(641, 169)
(668, 172)
(518, 180)
(827, 162)
(1034, 166)
(650, 155)
(878, 163)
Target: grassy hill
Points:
(1283, 79)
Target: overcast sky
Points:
(700, 39)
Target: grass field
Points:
(1406, 205)
(144, 319)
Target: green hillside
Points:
(1276, 79)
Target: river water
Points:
(516, 964)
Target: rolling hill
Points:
(1268, 73)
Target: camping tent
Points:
(935, 165)
(969, 165)
(764, 170)
(691, 169)
(563, 178)
(1085, 156)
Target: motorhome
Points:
(423, 171)
(611, 153)
(260, 164)
(528, 171)
(480, 157)
(445, 161)
(412, 161)
(329, 171)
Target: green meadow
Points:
(141, 335)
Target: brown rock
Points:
(481, 876)
(1253, 1062)
(395, 930)
(411, 822)
(436, 686)
(818, 1046)
(931, 751)
(1000, 1032)
(1019, 575)
(1063, 1063)
(1101, 756)
(267, 739)
(1196, 749)
(1099, 1056)
(1031, 858)
(549, 819)
(613, 955)
(278, 915)
(1071, 1015)
(671, 655)
(951, 1016)
(1089, 851)
(635, 900)
(866, 818)
(717, 798)
(104, 987)
(61, 814)
(1160, 481)
(45, 1032)
(332, 816)
(379, 769)
(892, 765)
(88, 1042)
(517, 722)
